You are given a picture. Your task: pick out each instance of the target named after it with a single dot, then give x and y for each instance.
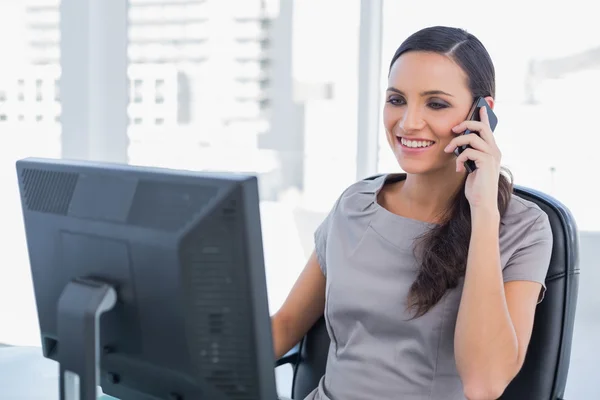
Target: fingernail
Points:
(455, 128)
(447, 148)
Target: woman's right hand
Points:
(303, 306)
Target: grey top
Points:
(366, 253)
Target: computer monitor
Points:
(149, 282)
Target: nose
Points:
(412, 120)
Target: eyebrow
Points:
(426, 93)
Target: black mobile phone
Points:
(474, 116)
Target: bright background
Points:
(290, 90)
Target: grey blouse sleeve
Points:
(531, 260)
(321, 235)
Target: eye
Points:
(437, 105)
(395, 101)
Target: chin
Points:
(419, 167)
(414, 166)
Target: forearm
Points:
(282, 343)
(486, 346)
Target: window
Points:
(21, 89)
(159, 88)
(57, 90)
(38, 90)
(26, 133)
(137, 91)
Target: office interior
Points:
(291, 91)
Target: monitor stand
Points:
(80, 306)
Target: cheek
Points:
(443, 129)
(391, 117)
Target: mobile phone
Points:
(474, 116)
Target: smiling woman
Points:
(434, 77)
(442, 105)
(429, 100)
(428, 280)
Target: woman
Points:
(428, 280)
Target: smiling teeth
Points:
(415, 143)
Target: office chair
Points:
(544, 373)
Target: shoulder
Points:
(522, 214)
(524, 224)
(349, 217)
(357, 203)
(370, 185)
(360, 196)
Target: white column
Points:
(93, 83)
(369, 64)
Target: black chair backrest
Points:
(544, 374)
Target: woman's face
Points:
(427, 96)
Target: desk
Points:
(26, 375)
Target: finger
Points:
(478, 157)
(486, 134)
(481, 127)
(471, 139)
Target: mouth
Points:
(417, 144)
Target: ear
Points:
(490, 101)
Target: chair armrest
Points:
(291, 357)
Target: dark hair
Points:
(443, 250)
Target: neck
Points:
(430, 195)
